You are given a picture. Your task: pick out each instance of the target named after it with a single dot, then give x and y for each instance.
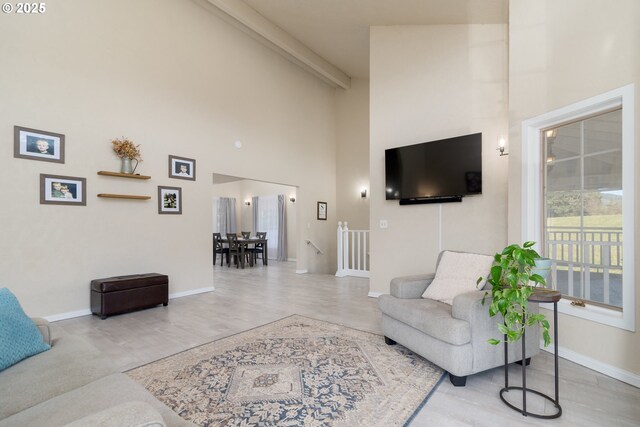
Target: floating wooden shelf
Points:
(123, 196)
(123, 175)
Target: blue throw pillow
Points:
(19, 336)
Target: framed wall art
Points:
(182, 168)
(169, 200)
(322, 211)
(36, 144)
(63, 190)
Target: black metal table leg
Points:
(544, 296)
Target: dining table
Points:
(244, 244)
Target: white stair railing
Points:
(353, 251)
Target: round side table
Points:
(544, 296)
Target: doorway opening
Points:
(244, 205)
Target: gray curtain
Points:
(227, 212)
(254, 201)
(282, 229)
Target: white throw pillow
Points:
(457, 274)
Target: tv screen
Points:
(449, 167)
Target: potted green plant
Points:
(513, 280)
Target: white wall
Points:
(177, 80)
(561, 53)
(352, 163)
(428, 83)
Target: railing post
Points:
(359, 264)
(345, 246)
(340, 271)
(364, 250)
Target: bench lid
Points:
(121, 283)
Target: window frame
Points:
(532, 202)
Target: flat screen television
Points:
(434, 172)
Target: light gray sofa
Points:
(453, 337)
(73, 384)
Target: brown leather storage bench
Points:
(115, 295)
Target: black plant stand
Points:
(545, 296)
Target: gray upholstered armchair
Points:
(453, 337)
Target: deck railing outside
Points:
(587, 262)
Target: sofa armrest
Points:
(469, 307)
(43, 327)
(411, 287)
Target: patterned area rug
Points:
(293, 372)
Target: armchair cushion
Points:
(19, 336)
(456, 274)
(438, 323)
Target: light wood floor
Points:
(252, 297)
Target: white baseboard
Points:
(291, 260)
(68, 315)
(191, 292)
(87, 311)
(596, 365)
(302, 271)
(374, 294)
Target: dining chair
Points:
(248, 252)
(234, 250)
(218, 248)
(258, 248)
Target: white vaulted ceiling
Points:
(338, 30)
(330, 38)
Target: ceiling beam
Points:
(282, 42)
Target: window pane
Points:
(563, 142)
(563, 175)
(603, 132)
(603, 171)
(268, 221)
(602, 236)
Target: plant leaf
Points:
(537, 279)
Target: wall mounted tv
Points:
(435, 172)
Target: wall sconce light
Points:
(247, 202)
(363, 193)
(502, 142)
(292, 199)
(550, 133)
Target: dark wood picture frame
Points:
(75, 194)
(164, 210)
(322, 211)
(175, 162)
(26, 145)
